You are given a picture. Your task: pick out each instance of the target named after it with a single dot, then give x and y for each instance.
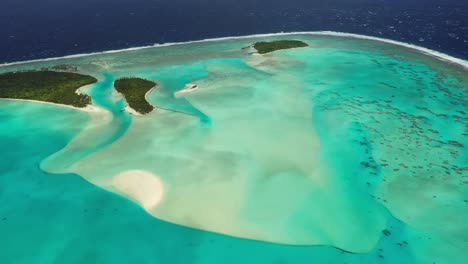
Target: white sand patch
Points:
(189, 87)
(141, 186)
(127, 108)
(130, 110)
(88, 108)
(148, 92)
(93, 109)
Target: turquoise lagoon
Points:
(347, 151)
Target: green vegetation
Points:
(46, 86)
(134, 91)
(267, 47)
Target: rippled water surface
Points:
(347, 151)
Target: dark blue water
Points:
(49, 28)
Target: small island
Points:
(46, 86)
(267, 47)
(134, 90)
(189, 87)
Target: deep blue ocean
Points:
(49, 28)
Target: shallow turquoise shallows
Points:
(350, 150)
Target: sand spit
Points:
(189, 87)
(162, 108)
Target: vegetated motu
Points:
(134, 91)
(267, 47)
(46, 86)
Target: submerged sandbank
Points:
(141, 186)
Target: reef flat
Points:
(349, 146)
(46, 86)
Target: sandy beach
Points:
(130, 110)
(189, 87)
(88, 108)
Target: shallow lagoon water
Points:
(348, 151)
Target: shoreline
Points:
(132, 111)
(90, 108)
(162, 108)
(127, 107)
(130, 89)
(148, 92)
(439, 55)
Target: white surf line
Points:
(427, 51)
(433, 53)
